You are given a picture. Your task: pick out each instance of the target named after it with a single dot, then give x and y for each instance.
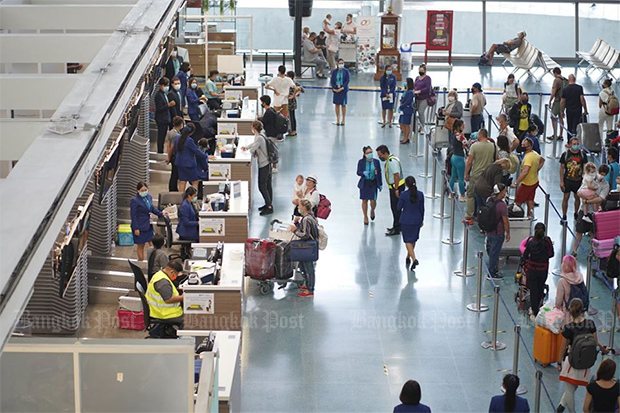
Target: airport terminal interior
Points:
(79, 83)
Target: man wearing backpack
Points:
(493, 220)
(554, 102)
(259, 149)
(272, 124)
(608, 107)
(573, 101)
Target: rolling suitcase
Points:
(439, 137)
(520, 228)
(283, 265)
(590, 136)
(607, 224)
(260, 257)
(547, 346)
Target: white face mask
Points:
(591, 175)
(173, 54)
(451, 99)
(177, 87)
(600, 177)
(340, 66)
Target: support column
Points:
(576, 26)
(298, 50)
(484, 26)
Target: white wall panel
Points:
(91, 17)
(16, 136)
(50, 48)
(34, 91)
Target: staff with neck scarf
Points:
(369, 171)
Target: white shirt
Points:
(349, 28)
(605, 93)
(282, 85)
(333, 41)
(508, 132)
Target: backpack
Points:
(323, 238)
(281, 123)
(483, 60)
(611, 107)
(579, 291)
(564, 84)
(583, 351)
(613, 265)
(273, 153)
(487, 220)
(324, 208)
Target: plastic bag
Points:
(550, 318)
(172, 210)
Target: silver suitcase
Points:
(520, 229)
(590, 136)
(439, 137)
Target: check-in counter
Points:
(241, 125)
(226, 226)
(237, 168)
(246, 91)
(216, 307)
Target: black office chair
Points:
(171, 241)
(138, 276)
(156, 327)
(168, 198)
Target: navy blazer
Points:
(162, 112)
(411, 214)
(187, 157)
(406, 102)
(188, 222)
(183, 78)
(170, 67)
(140, 218)
(361, 167)
(387, 85)
(345, 79)
(192, 102)
(174, 96)
(497, 405)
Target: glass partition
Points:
(598, 21)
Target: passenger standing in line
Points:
(422, 90)
(340, 86)
(310, 192)
(370, 183)
(268, 121)
(520, 114)
(281, 85)
(459, 147)
(603, 395)
(614, 168)
(605, 118)
(506, 130)
(589, 206)
(538, 251)
(453, 110)
(183, 75)
(512, 93)
(395, 182)
(174, 96)
(410, 397)
(570, 276)
(186, 152)
(406, 110)
(258, 150)
(478, 102)
(491, 176)
(193, 101)
(171, 137)
(527, 182)
(387, 83)
(188, 216)
(293, 94)
(174, 63)
(482, 154)
(306, 229)
(495, 239)
(572, 102)
(571, 376)
(572, 163)
(411, 207)
(504, 153)
(162, 112)
(141, 206)
(509, 401)
(554, 103)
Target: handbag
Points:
(431, 100)
(303, 251)
(172, 210)
(449, 123)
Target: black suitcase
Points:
(590, 136)
(284, 268)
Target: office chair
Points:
(138, 276)
(168, 198)
(156, 327)
(171, 241)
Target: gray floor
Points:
(372, 325)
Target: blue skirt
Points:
(340, 98)
(144, 237)
(369, 190)
(187, 174)
(411, 233)
(405, 118)
(387, 105)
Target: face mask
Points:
(189, 73)
(341, 66)
(173, 54)
(368, 156)
(525, 102)
(575, 147)
(422, 73)
(194, 85)
(591, 175)
(405, 85)
(388, 72)
(600, 177)
(176, 87)
(166, 89)
(451, 99)
(143, 194)
(194, 199)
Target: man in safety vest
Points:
(162, 296)
(396, 183)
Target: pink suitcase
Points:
(602, 248)
(607, 224)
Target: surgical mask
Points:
(194, 199)
(591, 175)
(575, 147)
(388, 72)
(451, 99)
(143, 194)
(368, 156)
(189, 73)
(176, 87)
(173, 54)
(405, 85)
(600, 177)
(340, 66)
(166, 89)
(194, 85)
(422, 73)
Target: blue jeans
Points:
(307, 268)
(477, 122)
(458, 171)
(494, 246)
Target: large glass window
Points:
(598, 21)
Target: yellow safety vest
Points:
(157, 306)
(387, 173)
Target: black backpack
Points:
(583, 351)
(487, 220)
(273, 153)
(613, 265)
(281, 123)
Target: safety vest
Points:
(157, 306)
(387, 173)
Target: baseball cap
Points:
(477, 86)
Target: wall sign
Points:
(439, 30)
(198, 303)
(212, 227)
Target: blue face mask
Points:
(405, 85)
(144, 194)
(575, 147)
(194, 85)
(388, 72)
(368, 155)
(194, 199)
(166, 89)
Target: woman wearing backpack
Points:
(606, 101)
(538, 251)
(578, 338)
(307, 228)
(570, 276)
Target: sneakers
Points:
(267, 211)
(586, 218)
(468, 221)
(261, 208)
(560, 409)
(306, 294)
(463, 198)
(274, 170)
(303, 288)
(495, 277)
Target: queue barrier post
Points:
(451, 240)
(614, 315)
(442, 214)
(545, 122)
(495, 345)
(558, 271)
(540, 98)
(433, 175)
(547, 201)
(537, 393)
(478, 307)
(464, 272)
(515, 359)
(554, 154)
(591, 310)
(425, 174)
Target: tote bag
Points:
(303, 251)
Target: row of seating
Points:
(602, 57)
(526, 56)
